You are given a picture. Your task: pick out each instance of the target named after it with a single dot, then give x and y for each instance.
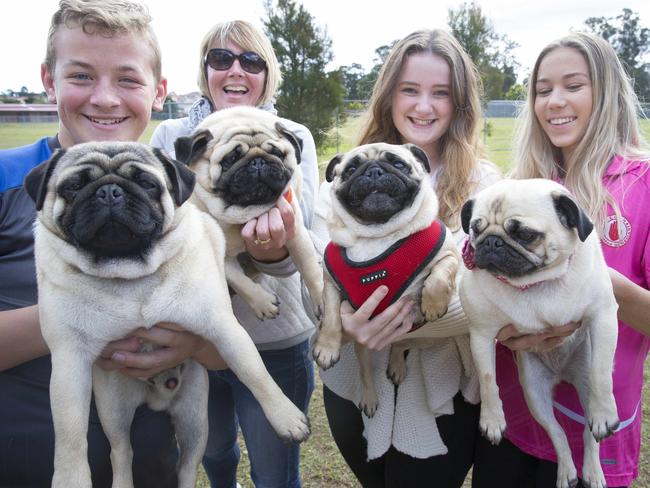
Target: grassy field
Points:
(321, 464)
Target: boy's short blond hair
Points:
(106, 18)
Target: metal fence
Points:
(491, 109)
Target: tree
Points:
(630, 41)
(351, 77)
(489, 50)
(309, 94)
(516, 92)
(367, 83)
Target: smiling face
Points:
(105, 87)
(234, 86)
(563, 98)
(422, 107)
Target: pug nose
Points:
(373, 171)
(257, 163)
(110, 194)
(492, 243)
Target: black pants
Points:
(398, 470)
(507, 466)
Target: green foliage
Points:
(631, 42)
(489, 50)
(171, 108)
(22, 96)
(309, 94)
(351, 77)
(367, 83)
(516, 92)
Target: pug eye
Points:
(276, 152)
(71, 187)
(349, 171)
(526, 236)
(230, 159)
(147, 182)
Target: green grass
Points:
(496, 135)
(321, 464)
(14, 135)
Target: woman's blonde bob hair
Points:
(460, 146)
(249, 38)
(613, 128)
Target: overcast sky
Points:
(356, 27)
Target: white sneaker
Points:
(238, 485)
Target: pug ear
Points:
(572, 216)
(37, 179)
(190, 148)
(181, 177)
(295, 141)
(420, 155)
(329, 172)
(466, 215)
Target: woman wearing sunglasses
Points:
(238, 67)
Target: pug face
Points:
(377, 182)
(521, 227)
(242, 156)
(109, 199)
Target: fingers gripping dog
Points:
(384, 231)
(245, 160)
(117, 247)
(534, 262)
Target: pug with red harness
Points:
(384, 231)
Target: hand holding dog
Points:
(382, 330)
(265, 237)
(515, 341)
(175, 345)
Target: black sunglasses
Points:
(222, 59)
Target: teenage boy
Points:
(103, 70)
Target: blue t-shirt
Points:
(17, 214)
(26, 429)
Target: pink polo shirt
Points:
(626, 246)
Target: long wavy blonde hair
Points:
(612, 130)
(460, 147)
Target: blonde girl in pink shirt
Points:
(581, 127)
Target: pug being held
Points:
(117, 247)
(245, 161)
(384, 230)
(534, 262)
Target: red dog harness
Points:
(395, 268)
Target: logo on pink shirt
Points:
(617, 231)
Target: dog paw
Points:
(368, 405)
(567, 476)
(325, 357)
(434, 307)
(492, 427)
(266, 306)
(291, 425)
(593, 477)
(603, 426)
(396, 371)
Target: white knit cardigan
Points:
(407, 420)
